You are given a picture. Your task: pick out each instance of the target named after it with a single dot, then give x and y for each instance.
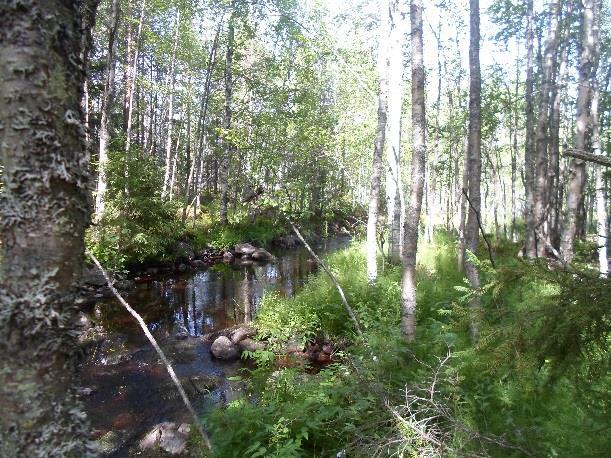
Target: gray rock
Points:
(93, 277)
(223, 348)
(242, 333)
(125, 285)
(167, 436)
(182, 268)
(228, 257)
(181, 333)
(249, 344)
(244, 249)
(262, 254)
(204, 384)
(198, 263)
(244, 262)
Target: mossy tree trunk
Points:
(44, 209)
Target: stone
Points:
(198, 263)
(181, 333)
(93, 277)
(203, 384)
(228, 257)
(242, 333)
(167, 436)
(223, 348)
(244, 262)
(182, 268)
(249, 344)
(244, 249)
(262, 254)
(125, 285)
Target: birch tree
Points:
(107, 102)
(414, 204)
(474, 163)
(394, 194)
(378, 147)
(44, 209)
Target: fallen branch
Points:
(479, 223)
(333, 279)
(588, 157)
(548, 244)
(157, 348)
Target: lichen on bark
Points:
(44, 209)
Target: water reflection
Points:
(127, 379)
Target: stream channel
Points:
(128, 390)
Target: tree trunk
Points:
(543, 128)
(474, 162)
(226, 159)
(107, 102)
(394, 189)
(602, 216)
(44, 209)
(131, 80)
(414, 205)
(554, 168)
(462, 219)
(577, 167)
(378, 148)
(170, 115)
(530, 243)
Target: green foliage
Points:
(137, 224)
(536, 383)
(261, 232)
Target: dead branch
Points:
(588, 157)
(158, 349)
(333, 279)
(479, 223)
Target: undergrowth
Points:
(536, 384)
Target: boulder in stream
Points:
(244, 249)
(242, 333)
(224, 348)
(261, 254)
(169, 437)
(249, 344)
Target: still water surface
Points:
(131, 389)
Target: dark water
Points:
(131, 390)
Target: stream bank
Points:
(127, 391)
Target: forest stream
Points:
(128, 390)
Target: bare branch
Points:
(158, 349)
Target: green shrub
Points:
(137, 224)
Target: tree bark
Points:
(131, 82)
(170, 115)
(394, 188)
(226, 159)
(577, 167)
(530, 245)
(378, 148)
(543, 127)
(107, 102)
(44, 209)
(474, 162)
(553, 179)
(414, 205)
